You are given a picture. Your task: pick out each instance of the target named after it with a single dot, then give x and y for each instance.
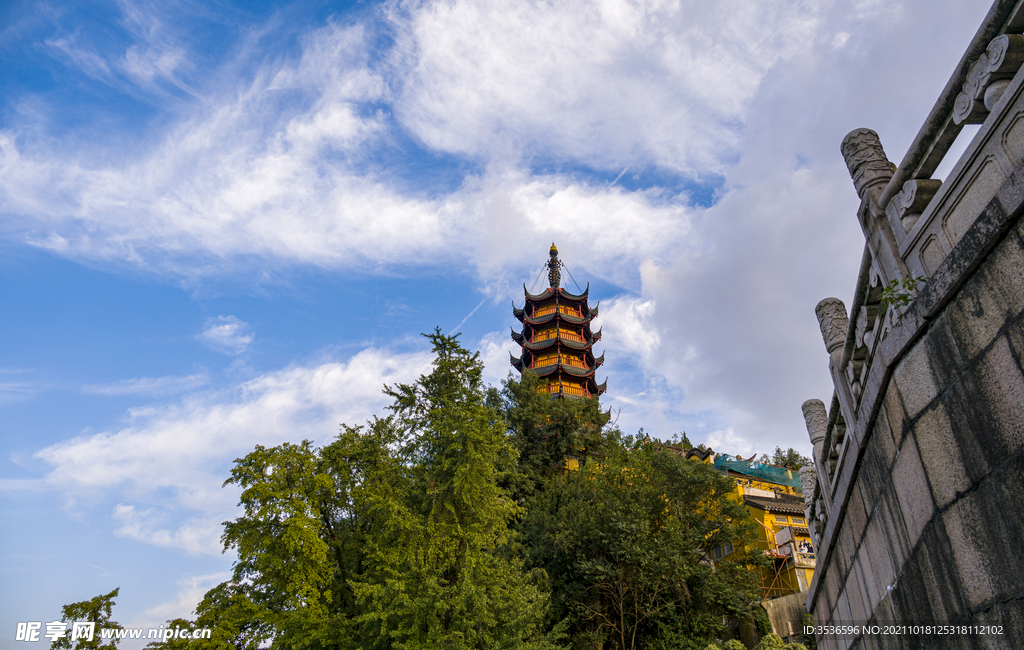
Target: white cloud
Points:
(191, 590)
(494, 349)
(169, 385)
(175, 458)
(657, 82)
(226, 334)
(199, 535)
(282, 167)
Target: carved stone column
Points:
(871, 171)
(865, 158)
(808, 480)
(834, 323)
(816, 419)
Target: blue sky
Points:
(226, 224)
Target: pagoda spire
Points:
(554, 267)
(557, 338)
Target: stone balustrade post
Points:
(871, 171)
(816, 419)
(835, 324)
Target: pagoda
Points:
(557, 340)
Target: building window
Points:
(727, 549)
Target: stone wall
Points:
(916, 498)
(933, 528)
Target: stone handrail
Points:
(939, 130)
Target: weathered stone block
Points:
(1009, 615)
(866, 576)
(928, 588)
(844, 550)
(985, 530)
(872, 475)
(874, 550)
(881, 437)
(973, 425)
(856, 518)
(843, 611)
(1002, 383)
(1005, 269)
(894, 410)
(914, 380)
(894, 529)
(940, 454)
(966, 528)
(976, 315)
(1015, 334)
(947, 362)
(912, 490)
(883, 612)
(855, 596)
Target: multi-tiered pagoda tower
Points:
(556, 338)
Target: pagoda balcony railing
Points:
(565, 361)
(569, 311)
(564, 334)
(565, 389)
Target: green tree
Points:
(547, 433)
(436, 574)
(392, 536)
(628, 544)
(790, 458)
(98, 611)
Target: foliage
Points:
(774, 642)
(809, 639)
(627, 542)
(548, 432)
(470, 517)
(435, 575)
(790, 458)
(901, 292)
(392, 536)
(97, 610)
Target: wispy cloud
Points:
(156, 386)
(174, 458)
(288, 164)
(226, 334)
(191, 590)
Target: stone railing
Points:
(911, 222)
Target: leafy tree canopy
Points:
(472, 517)
(98, 610)
(790, 458)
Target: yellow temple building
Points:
(772, 498)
